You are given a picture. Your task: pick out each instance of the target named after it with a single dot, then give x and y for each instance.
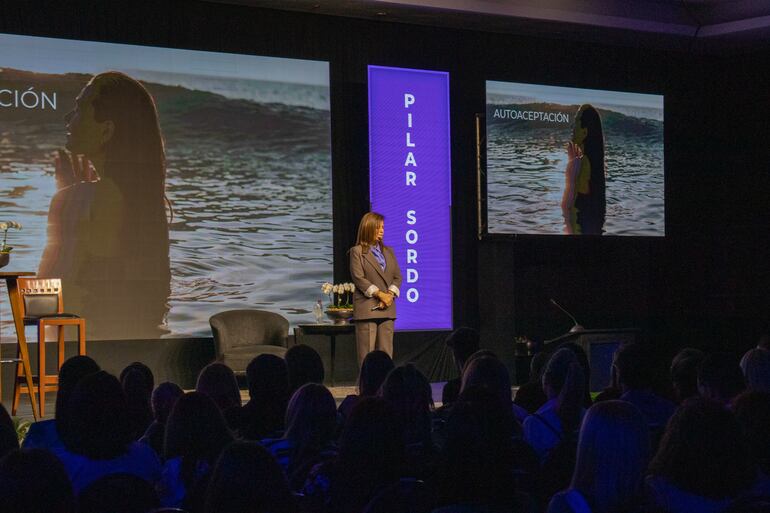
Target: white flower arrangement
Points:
(4, 227)
(340, 295)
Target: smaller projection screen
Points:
(562, 160)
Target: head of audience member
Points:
(72, 371)
(479, 354)
(35, 481)
(634, 367)
(408, 390)
(463, 342)
(585, 365)
(720, 378)
(98, 424)
(564, 383)
(311, 422)
(118, 493)
(764, 341)
(752, 409)
(8, 439)
(371, 454)
(142, 378)
(755, 365)
(163, 398)
(218, 381)
(704, 435)
(247, 479)
(476, 462)
(490, 373)
(268, 379)
(374, 370)
(137, 382)
(537, 367)
(612, 457)
(196, 433)
(304, 365)
(684, 373)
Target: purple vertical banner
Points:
(410, 184)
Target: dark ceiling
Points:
(695, 25)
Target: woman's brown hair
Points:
(367, 230)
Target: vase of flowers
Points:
(340, 308)
(5, 249)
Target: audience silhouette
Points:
(389, 449)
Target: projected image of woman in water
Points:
(107, 234)
(584, 200)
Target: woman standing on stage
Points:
(375, 272)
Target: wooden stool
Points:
(42, 305)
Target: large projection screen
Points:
(562, 160)
(165, 185)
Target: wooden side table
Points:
(331, 331)
(15, 300)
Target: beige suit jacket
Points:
(366, 271)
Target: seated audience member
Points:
(684, 373)
(374, 370)
(634, 367)
(247, 479)
(304, 365)
(755, 504)
(463, 342)
(34, 481)
(720, 378)
(371, 457)
(752, 409)
(764, 341)
(530, 395)
(137, 382)
(96, 437)
(44, 434)
(702, 463)
(559, 418)
(8, 439)
(612, 391)
(163, 399)
(755, 366)
(311, 426)
(478, 462)
(490, 373)
(582, 359)
(408, 390)
(196, 433)
(612, 457)
(218, 382)
(118, 493)
(264, 415)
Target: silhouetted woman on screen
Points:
(584, 201)
(107, 227)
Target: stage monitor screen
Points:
(563, 160)
(165, 185)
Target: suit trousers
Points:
(373, 334)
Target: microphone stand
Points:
(576, 327)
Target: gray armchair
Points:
(240, 335)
